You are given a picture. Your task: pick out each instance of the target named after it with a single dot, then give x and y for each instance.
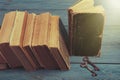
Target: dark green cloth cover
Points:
(87, 34)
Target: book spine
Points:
(70, 25)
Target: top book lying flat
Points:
(86, 23)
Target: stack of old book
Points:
(33, 41)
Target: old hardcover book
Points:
(86, 23)
(27, 41)
(40, 41)
(56, 44)
(16, 39)
(7, 26)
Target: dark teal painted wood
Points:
(110, 45)
(108, 72)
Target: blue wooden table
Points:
(109, 62)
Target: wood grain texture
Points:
(110, 42)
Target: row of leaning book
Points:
(33, 41)
(40, 41)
